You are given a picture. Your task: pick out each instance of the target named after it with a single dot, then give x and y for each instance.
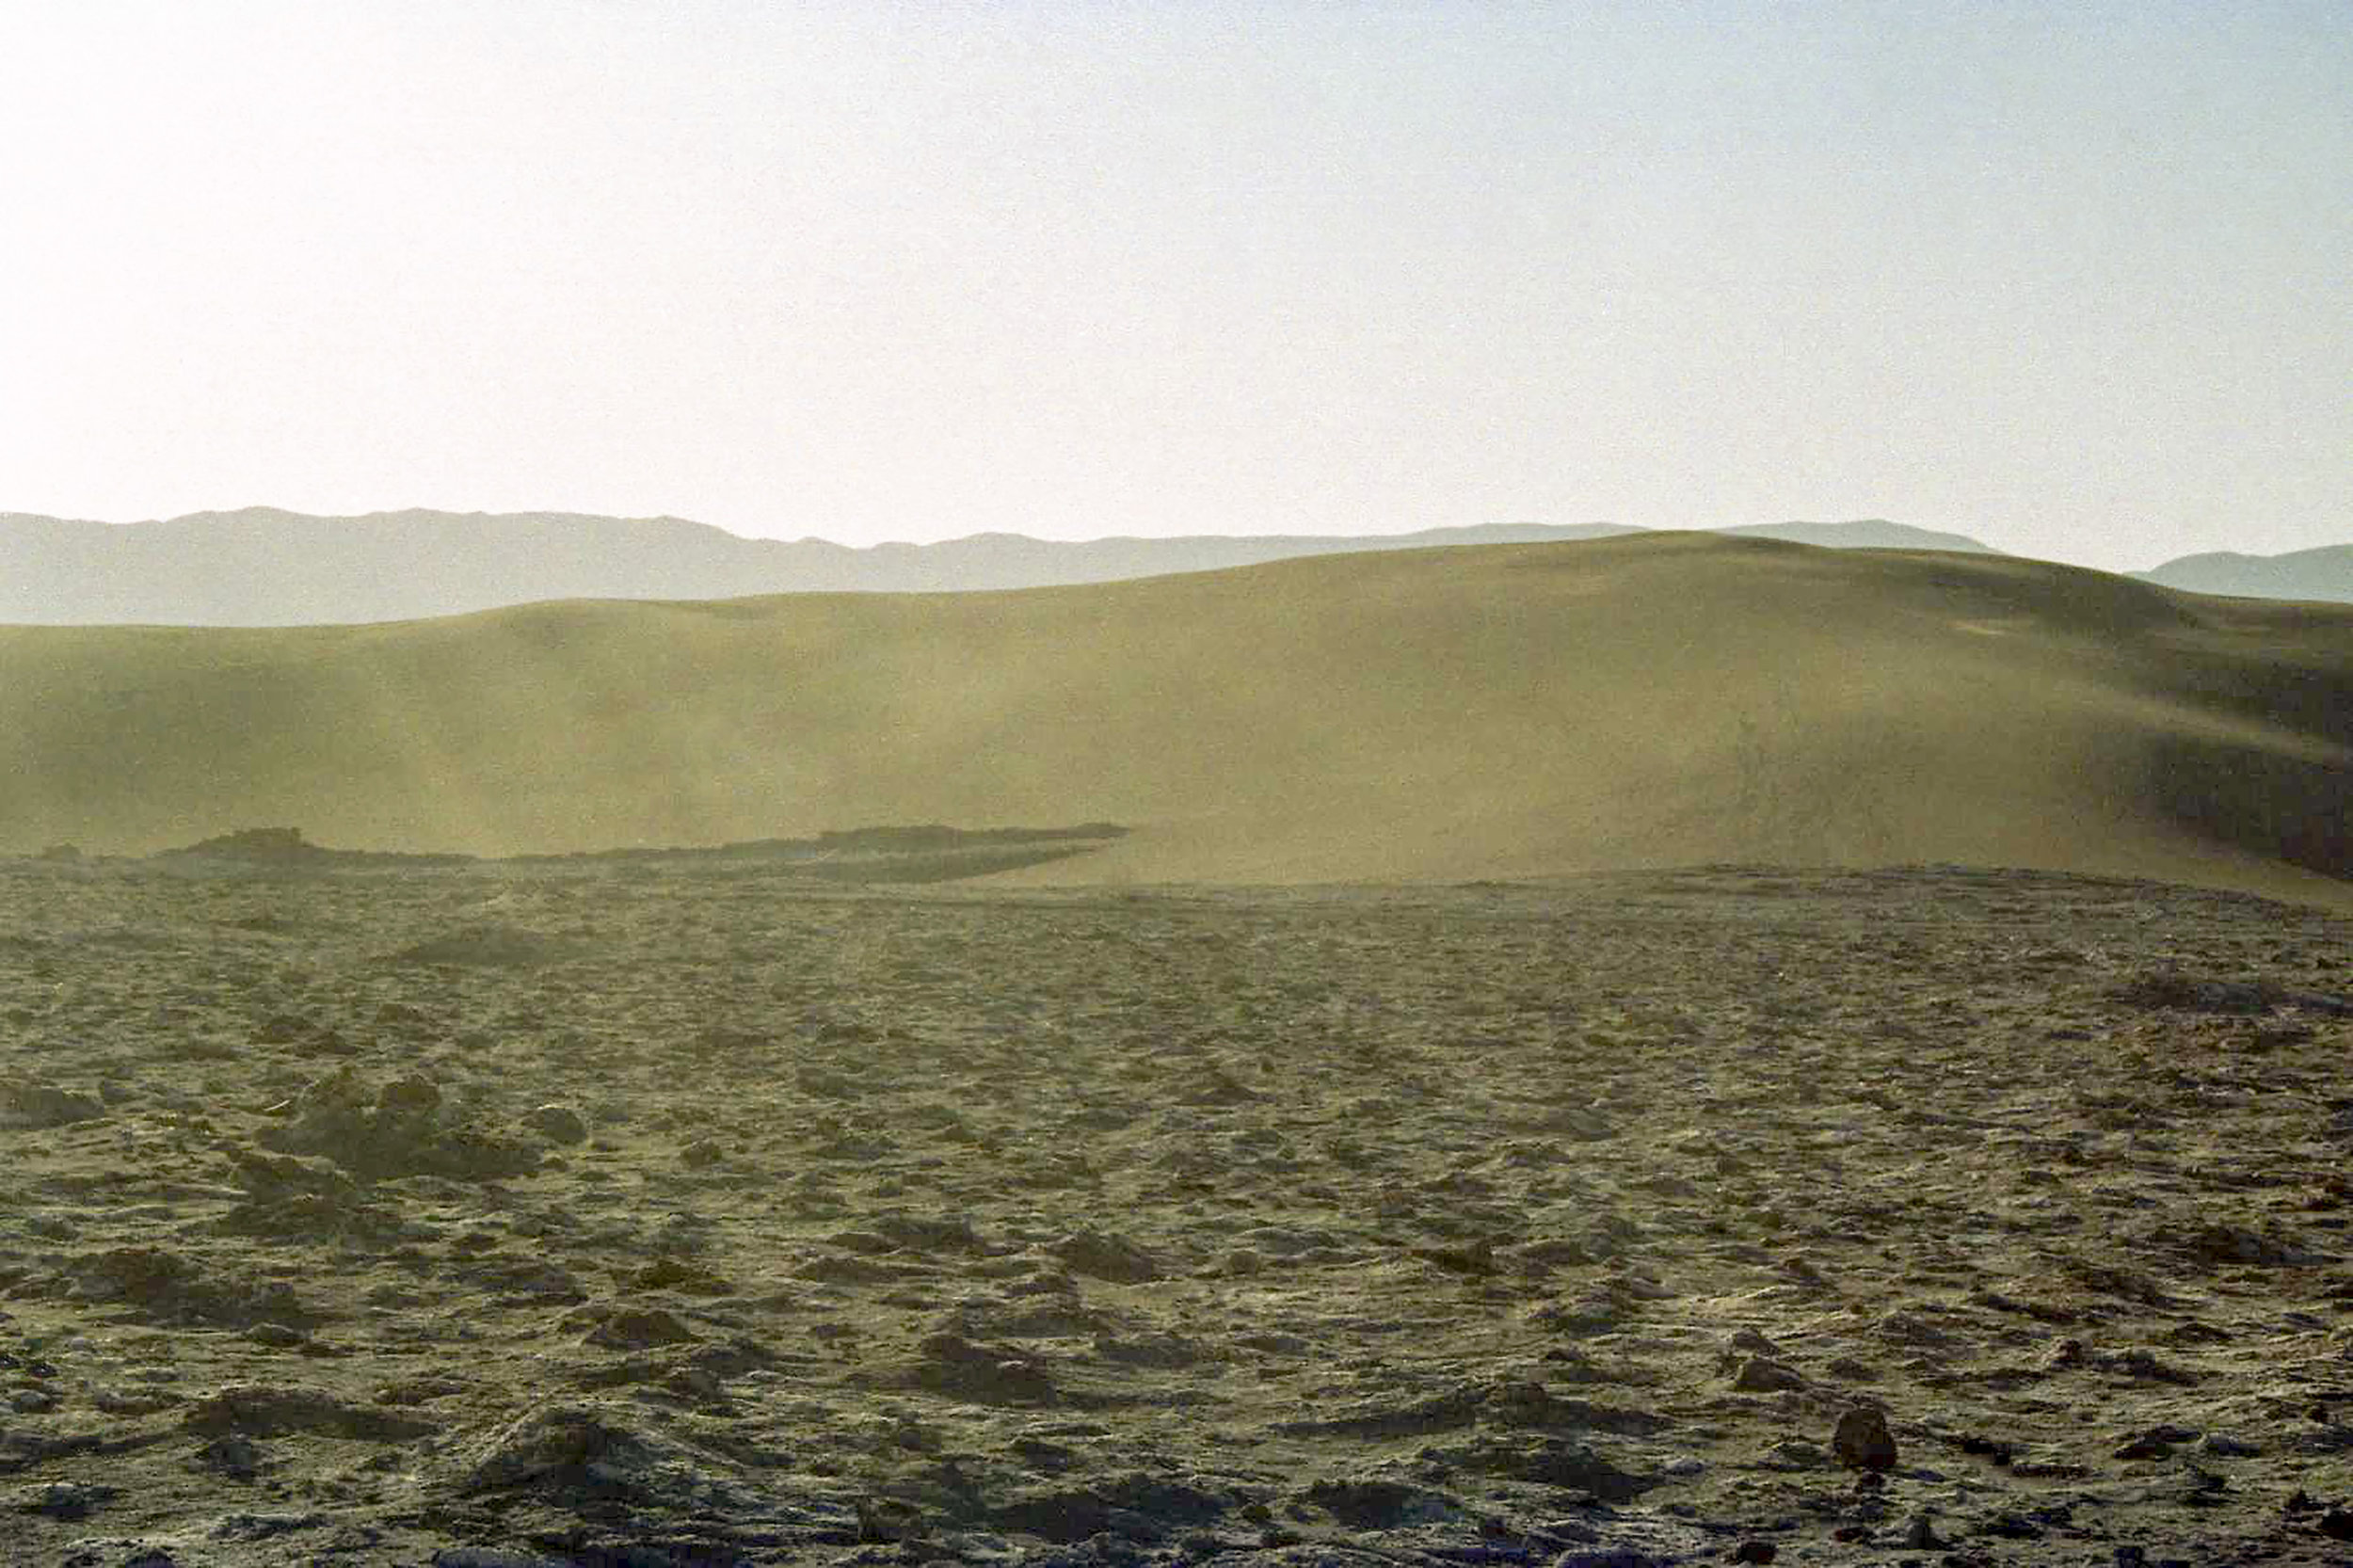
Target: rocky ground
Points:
(656, 1216)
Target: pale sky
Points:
(2076, 279)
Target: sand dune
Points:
(1436, 714)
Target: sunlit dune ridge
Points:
(1486, 712)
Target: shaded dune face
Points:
(1431, 714)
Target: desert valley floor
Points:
(666, 1215)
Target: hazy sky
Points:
(2077, 278)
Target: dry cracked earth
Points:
(646, 1216)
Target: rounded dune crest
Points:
(1443, 714)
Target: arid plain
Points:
(1672, 1050)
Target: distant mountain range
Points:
(2326, 573)
(262, 566)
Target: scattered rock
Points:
(1135, 1505)
(67, 1500)
(886, 1519)
(2011, 1526)
(2172, 988)
(237, 1457)
(999, 1386)
(952, 1365)
(402, 1131)
(409, 1096)
(1759, 1375)
(1380, 1504)
(557, 1123)
(922, 1233)
(557, 1448)
(1546, 1460)
(164, 1286)
(2225, 1245)
(1392, 1417)
(1476, 1258)
(2143, 1366)
(1862, 1440)
(276, 1410)
(34, 1106)
(637, 1329)
(680, 1274)
(1987, 1447)
(1162, 1351)
(1106, 1258)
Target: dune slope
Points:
(1452, 713)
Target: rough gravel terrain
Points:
(657, 1216)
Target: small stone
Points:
(1800, 1268)
(237, 1457)
(639, 1328)
(559, 1123)
(1476, 1258)
(2155, 1443)
(1763, 1375)
(2337, 1524)
(1756, 1551)
(1111, 1259)
(703, 1152)
(43, 1104)
(66, 1500)
(1987, 1447)
(1862, 1440)
(410, 1096)
(1920, 1535)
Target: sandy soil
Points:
(631, 1216)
